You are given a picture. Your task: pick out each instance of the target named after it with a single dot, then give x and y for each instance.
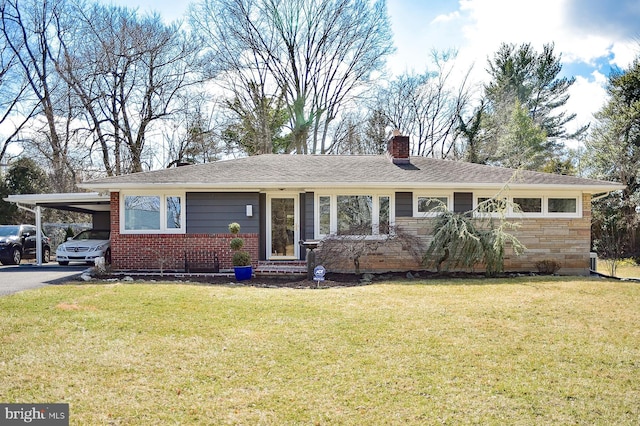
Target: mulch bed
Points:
(286, 281)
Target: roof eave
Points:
(257, 186)
(59, 197)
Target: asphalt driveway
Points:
(28, 276)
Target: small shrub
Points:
(548, 267)
(236, 243)
(234, 228)
(241, 258)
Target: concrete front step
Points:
(285, 267)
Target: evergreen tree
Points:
(521, 74)
(23, 177)
(523, 100)
(613, 147)
(522, 143)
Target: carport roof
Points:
(82, 202)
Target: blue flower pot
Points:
(243, 272)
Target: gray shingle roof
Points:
(309, 171)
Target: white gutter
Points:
(605, 194)
(63, 197)
(258, 186)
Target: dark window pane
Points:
(529, 205)
(354, 214)
(384, 216)
(563, 205)
(432, 204)
(141, 212)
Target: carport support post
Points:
(39, 235)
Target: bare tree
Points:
(341, 252)
(321, 53)
(356, 133)
(15, 108)
(427, 106)
(29, 28)
(193, 137)
(129, 73)
(256, 121)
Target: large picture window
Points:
(157, 213)
(354, 214)
(141, 212)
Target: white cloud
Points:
(446, 18)
(478, 27)
(625, 52)
(581, 30)
(587, 96)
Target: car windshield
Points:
(92, 235)
(7, 231)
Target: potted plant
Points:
(241, 259)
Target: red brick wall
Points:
(167, 251)
(398, 147)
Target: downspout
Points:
(604, 194)
(38, 214)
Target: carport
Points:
(93, 203)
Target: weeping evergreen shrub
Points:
(463, 240)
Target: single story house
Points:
(164, 218)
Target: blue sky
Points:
(591, 35)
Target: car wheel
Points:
(107, 257)
(63, 263)
(46, 255)
(17, 256)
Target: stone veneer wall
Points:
(566, 241)
(148, 251)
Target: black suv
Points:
(18, 242)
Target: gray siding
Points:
(462, 202)
(211, 212)
(309, 216)
(404, 204)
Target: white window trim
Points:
(296, 209)
(431, 194)
(545, 205)
(513, 213)
(375, 214)
(163, 212)
(576, 214)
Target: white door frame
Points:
(296, 230)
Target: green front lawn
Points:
(523, 351)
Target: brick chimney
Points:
(398, 148)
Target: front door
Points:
(282, 220)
